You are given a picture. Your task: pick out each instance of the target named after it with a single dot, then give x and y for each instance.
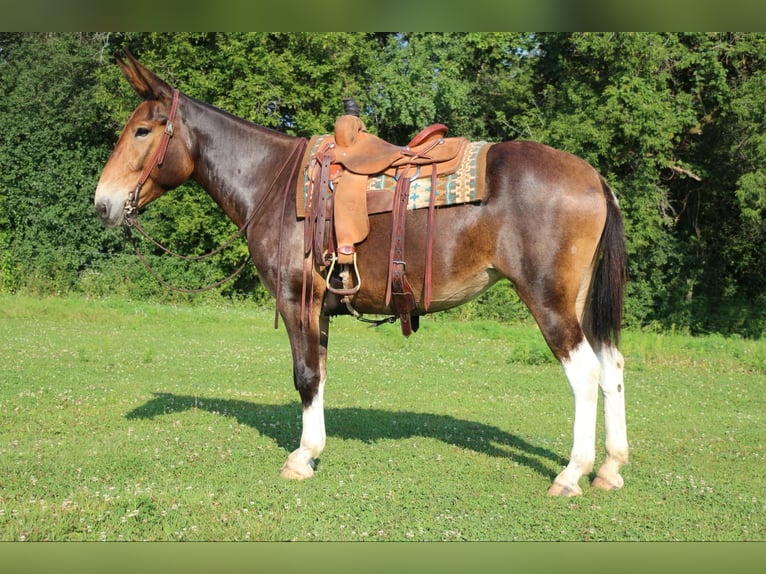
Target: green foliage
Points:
(52, 148)
(674, 121)
(655, 113)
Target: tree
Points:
(661, 116)
(51, 149)
(722, 214)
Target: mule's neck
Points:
(237, 161)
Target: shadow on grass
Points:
(282, 423)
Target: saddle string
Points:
(430, 241)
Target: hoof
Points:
(558, 489)
(297, 467)
(290, 473)
(604, 484)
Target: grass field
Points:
(130, 421)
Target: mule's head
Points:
(137, 147)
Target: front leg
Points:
(301, 462)
(309, 373)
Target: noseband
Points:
(131, 205)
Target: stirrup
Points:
(343, 291)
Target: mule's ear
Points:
(145, 82)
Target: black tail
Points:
(611, 275)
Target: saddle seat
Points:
(366, 154)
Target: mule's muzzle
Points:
(110, 213)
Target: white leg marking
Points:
(313, 436)
(583, 372)
(613, 391)
(300, 463)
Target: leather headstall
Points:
(131, 205)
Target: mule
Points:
(548, 222)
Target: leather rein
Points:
(131, 209)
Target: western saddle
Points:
(338, 217)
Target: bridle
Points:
(131, 209)
(131, 205)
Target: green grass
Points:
(129, 421)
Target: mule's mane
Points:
(242, 122)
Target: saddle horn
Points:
(350, 107)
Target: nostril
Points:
(102, 209)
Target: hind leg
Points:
(613, 391)
(582, 369)
(557, 314)
(566, 339)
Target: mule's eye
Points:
(142, 132)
